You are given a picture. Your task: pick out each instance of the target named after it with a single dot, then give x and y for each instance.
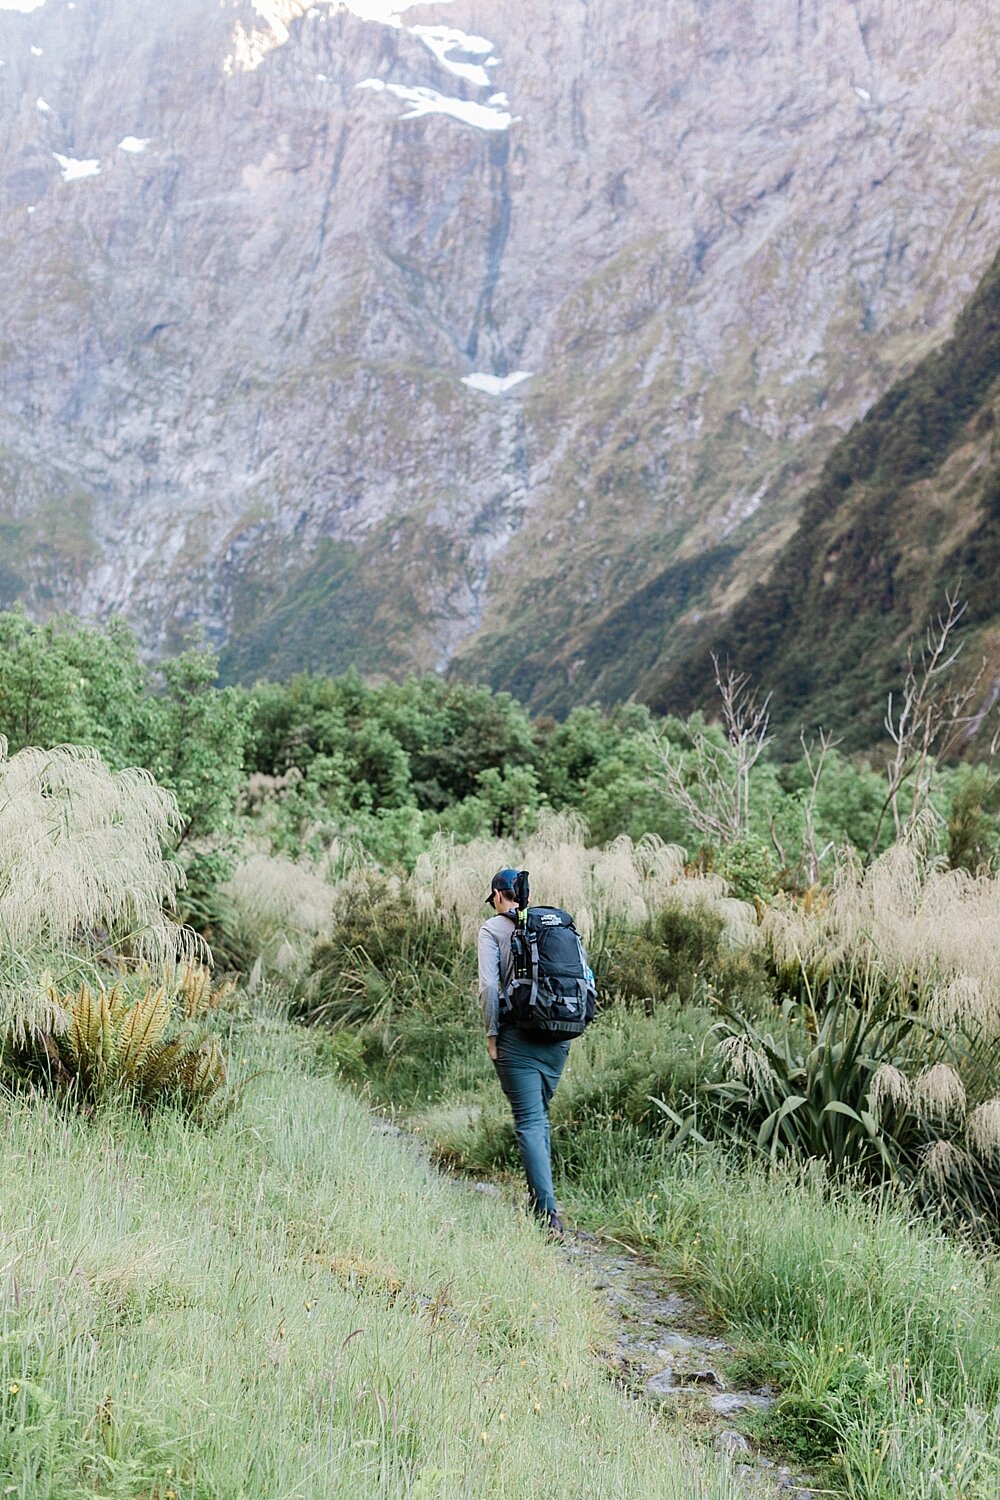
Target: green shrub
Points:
(625, 1062)
(748, 869)
(973, 824)
(401, 984)
(682, 951)
(626, 1058)
(381, 946)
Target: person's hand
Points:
(491, 1047)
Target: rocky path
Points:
(663, 1353)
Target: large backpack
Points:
(552, 992)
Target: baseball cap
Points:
(504, 880)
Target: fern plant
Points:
(109, 1043)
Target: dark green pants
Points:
(529, 1071)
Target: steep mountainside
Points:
(503, 334)
(906, 511)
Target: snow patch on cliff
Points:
(42, 107)
(133, 143)
(25, 5)
(73, 168)
(444, 40)
(429, 102)
(495, 385)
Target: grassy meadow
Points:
(290, 1304)
(237, 936)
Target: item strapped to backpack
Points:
(552, 991)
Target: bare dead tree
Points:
(808, 865)
(815, 758)
(927, 720)
(712, 786)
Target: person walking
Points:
(528, 1066)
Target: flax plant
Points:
(805, 1088)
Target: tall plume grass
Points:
(623, 882)
(277, 908)
(81, 869)
(930, 930)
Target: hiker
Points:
(528, 1034)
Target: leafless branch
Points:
(926, 720)
(815, 755)
(712, 788)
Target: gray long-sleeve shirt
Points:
(494, 968)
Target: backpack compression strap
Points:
(533, 940)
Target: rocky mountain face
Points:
(504, 335)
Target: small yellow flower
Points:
(920, 1400)
(13, 1387)
(537, 1406)
(840, 1348)
(502, 1417)
(484, 1437)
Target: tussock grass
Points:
(292, 1305)
(910, 920)
(81, 867)
(275, 909)
(621, 883)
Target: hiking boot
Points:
(554, 1227)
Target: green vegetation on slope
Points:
(905, 510)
